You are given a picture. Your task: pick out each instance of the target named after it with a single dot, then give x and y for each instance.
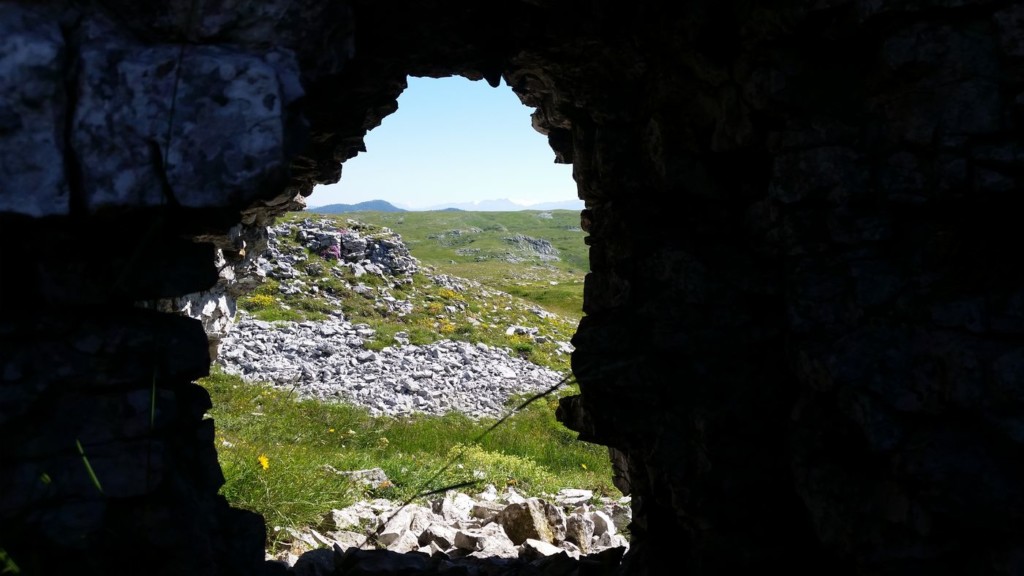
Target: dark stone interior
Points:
(804, 330)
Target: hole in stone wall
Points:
(377, 353)
(455, 143)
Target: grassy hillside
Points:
(476, 245)
(500, 293)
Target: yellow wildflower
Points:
(264, 461)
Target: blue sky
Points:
(452, 141)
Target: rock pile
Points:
(489, 534)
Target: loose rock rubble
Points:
(326, 360)
(487, 534)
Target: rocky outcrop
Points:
(248, 255)
(379, 252)
(538, 246)
(803, 327)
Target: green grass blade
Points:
(88, 467)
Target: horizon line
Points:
(443, 205)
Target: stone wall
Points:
(803, 216)
(132, 145)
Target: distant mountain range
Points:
(499, 205)
(368, 206)
(505, 205)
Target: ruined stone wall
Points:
(132, 141)
(804, 222)
(803, 218)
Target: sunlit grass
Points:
(280, 455)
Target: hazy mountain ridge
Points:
(368, 206)
(494, 205)
(506, 205)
